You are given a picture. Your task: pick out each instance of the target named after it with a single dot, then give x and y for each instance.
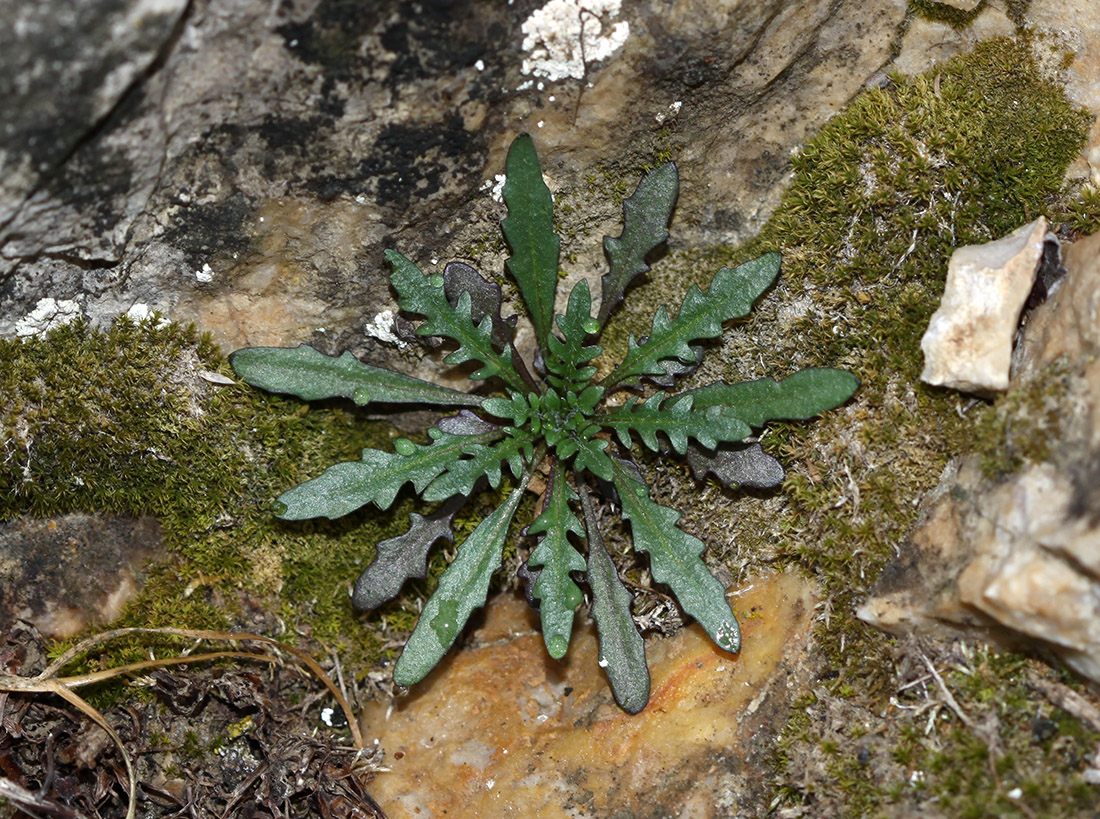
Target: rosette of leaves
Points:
(554, 416)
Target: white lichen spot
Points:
(381, 327)
(495, 186)
(563, 35)
(46, 315)
(205, 275)
(140, 312)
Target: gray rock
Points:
(68, 573)
(250, 174)
(64, 68)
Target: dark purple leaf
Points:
(404, 556)
(485, 299)
(739, 464)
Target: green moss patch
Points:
(879, 200)
(131, 420)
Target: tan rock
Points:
(1017, 558)
(499, 729)
(968, 343)
(1068, 323)
(928, 42)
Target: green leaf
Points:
(377, 477)
(797, 397)
(518, 407)
(731, 295)
(558, 595)
(417, 293)
(460, 476)
(622, 649)
(674, 560)
(566, 359)
(308, 374)
(399, 558)
(529, 229)
(590, 455)
(646, 214)
(462, 588)
(676, 418)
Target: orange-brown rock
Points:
(500, 729)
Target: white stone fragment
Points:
(205, 275)
(553, 33)
(381, 327)
(968, 343)
(46, 315)
(496, 187)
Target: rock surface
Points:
(1017, 557)
(968, 343)
(69, 573)
(499, 729)
(249, 178)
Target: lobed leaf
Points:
(399, 558)
(797, 397)
(460, 476)
(309, 374)
(555, 558)
(566, 359)
(590, 455)
(674, 368)
(622, 649)
(485, 299)
(702, 314)
(674, 560)
(463, 587)
(674, 417)
(743, 465)
(646, 214)
(417, 293)
(529, 230)
(377, 477)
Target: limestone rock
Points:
(499, 729)
(1017, 557)
(928, 42)
(67, 573)
(63, 68)
(968, 343)
(253, 160)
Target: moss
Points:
(945, 12)
(1023, 426)
(1082, 212)
(127, 421)
(879, 200)
(1018, 757)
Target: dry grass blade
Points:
(47, 681)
